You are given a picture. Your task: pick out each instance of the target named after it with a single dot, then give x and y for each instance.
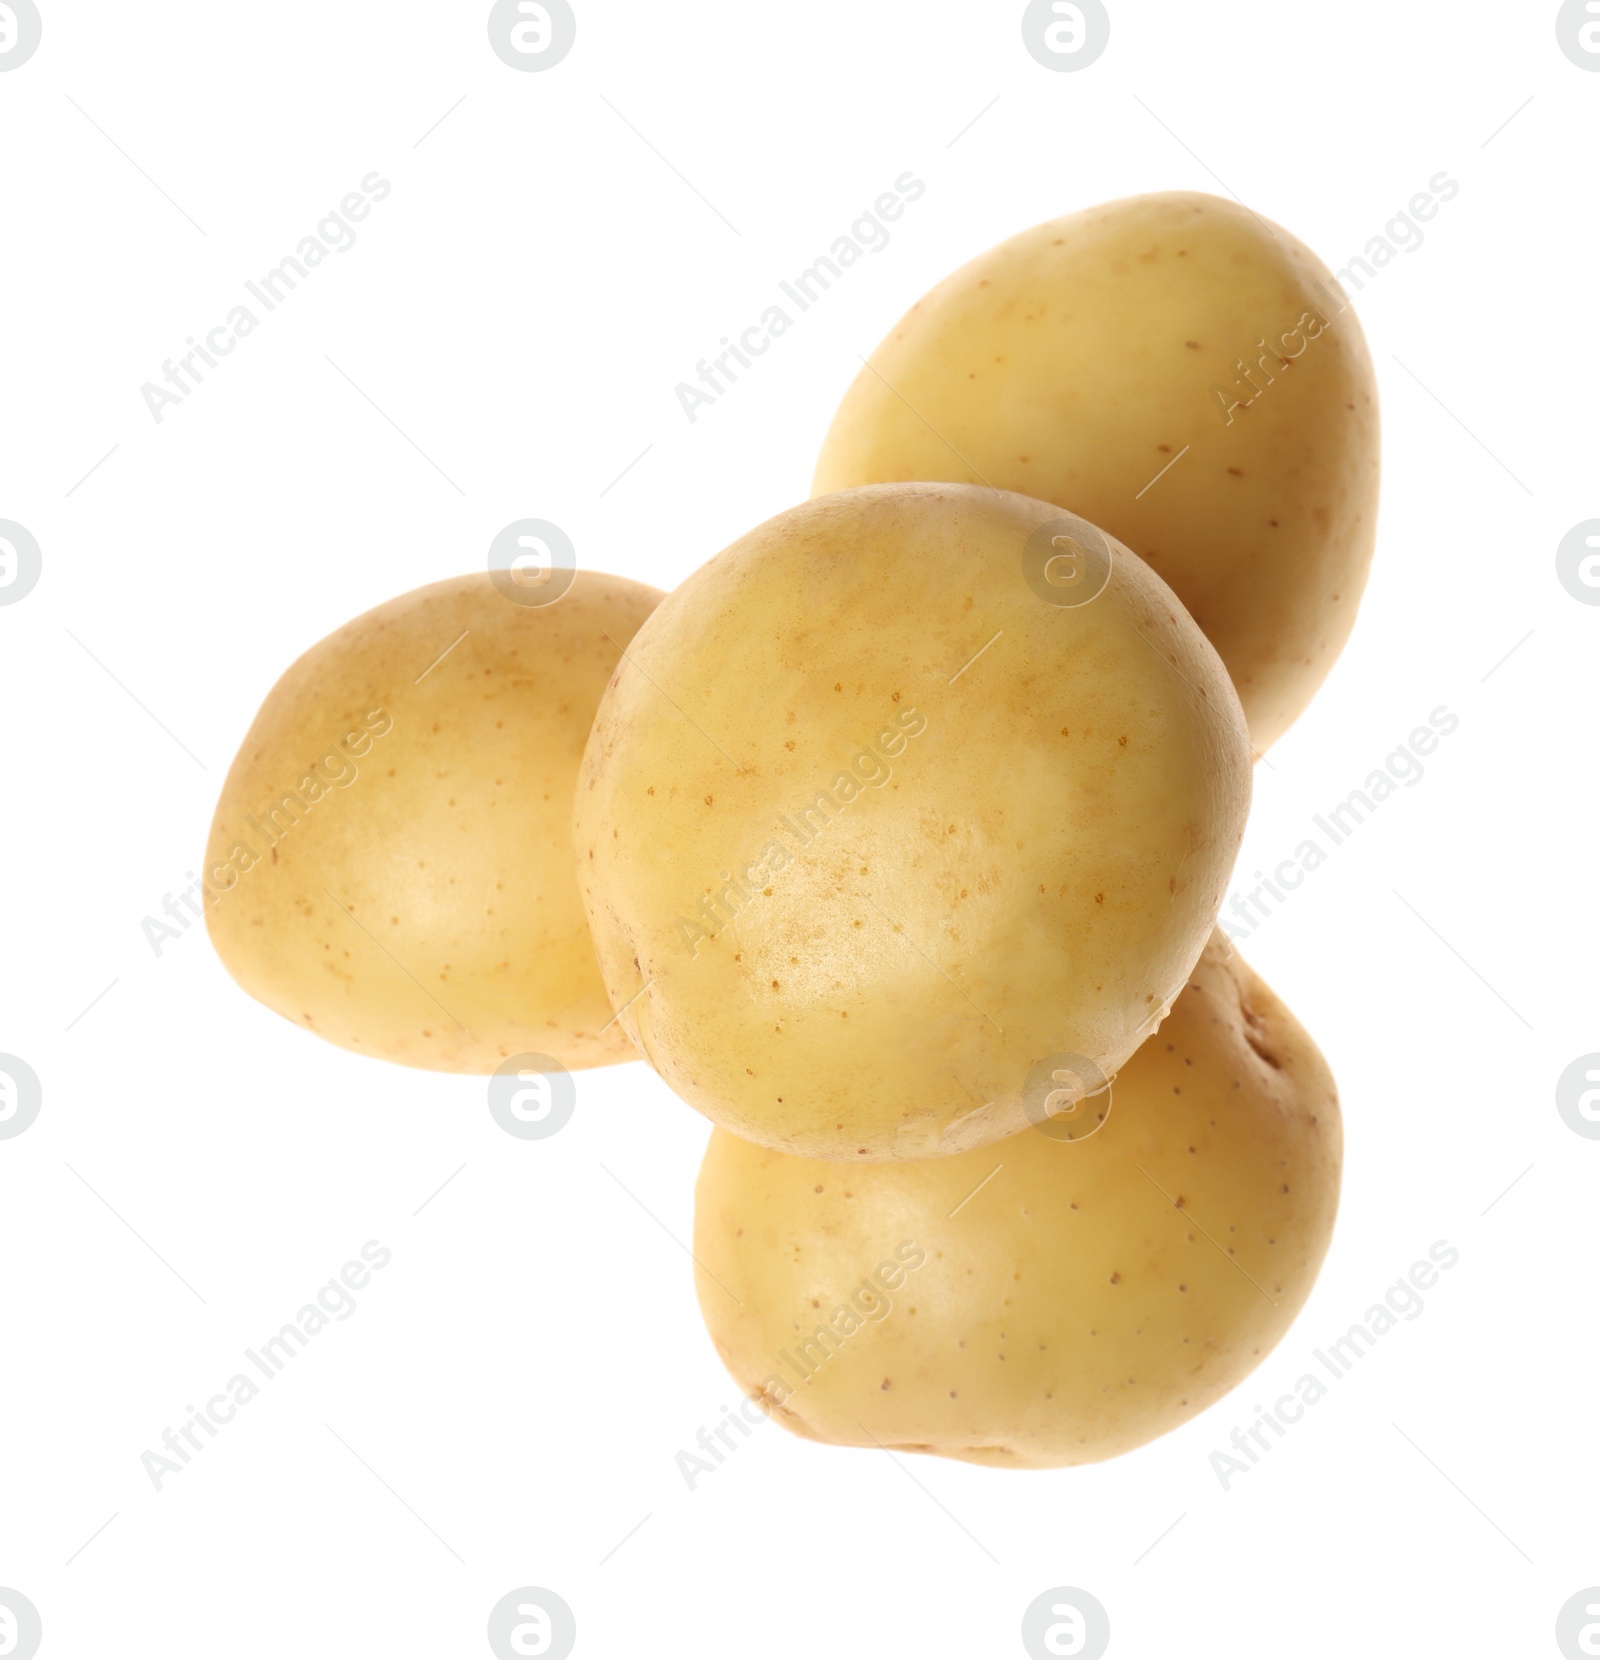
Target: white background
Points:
(520, 309)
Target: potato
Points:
(391, 861)
(906, 791)
(1042, 1301)
(1176, 331)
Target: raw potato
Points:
(390, 865)
(868, 827)
(1041, 1302)
(1077, 360)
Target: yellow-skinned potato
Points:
(1077, 360)
(1040, 1302)
(906, 791)
(390, 865)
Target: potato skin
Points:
(1075, 361)
(1056, 798)
(1074, 1300)
(419, 904)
